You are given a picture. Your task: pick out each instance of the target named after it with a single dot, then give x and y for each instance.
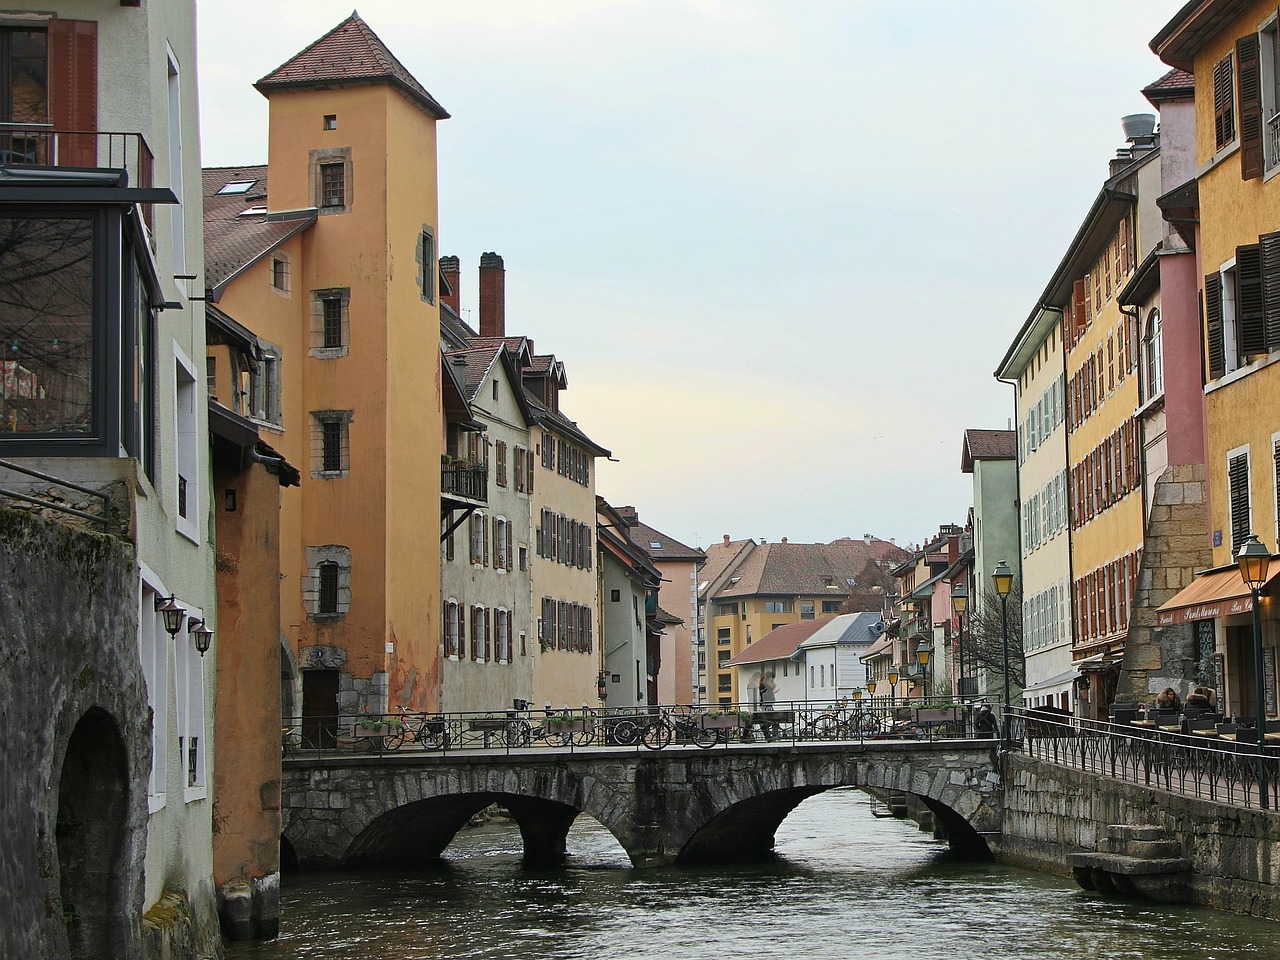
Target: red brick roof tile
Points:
(350, 53)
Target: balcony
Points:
(40, 145)
(467, 485)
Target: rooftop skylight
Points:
(238, 186)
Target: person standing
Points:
(768, 697)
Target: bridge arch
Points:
(676, 806)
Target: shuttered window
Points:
(1249, 87)
(1224, 120)
(1270, 265)
(1238, 493)
(1213, 326)
(1251, 321)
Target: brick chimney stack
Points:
(493, 296)
(451, 270)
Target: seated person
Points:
(1168, 700)
(1199, 699)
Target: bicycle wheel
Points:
(657, 735)
(583, 738)
(516, 733)
(867, 724)
(393, 741)
(825, 727)
(624, 733)
(433, 735)
(703, 737)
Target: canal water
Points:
(845, 884)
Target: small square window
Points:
(331, 121)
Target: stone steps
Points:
(1137, 860)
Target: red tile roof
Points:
(780, 643)
(349, 54)
(1173, 85)
(232, 240)
(808, 569)
(988, 445)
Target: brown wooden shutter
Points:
(1270, 244)
(484, 537)
(509, 560)
(1224, 121)
(1238, 493)
(1079, 309)
(1213, 325)
(488, 635)
(1249, 91)
(1252, 325)
(73, 89)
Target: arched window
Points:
(1153, 351)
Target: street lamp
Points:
(922, 657)
(960, 603)
(173, 613)
(201, 635)
(1253, 561)
(893, 683)
(1002, 580)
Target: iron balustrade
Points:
(470, 483)
(40, 145)
(532, 727)
(1185, 764)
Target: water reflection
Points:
(843, 884)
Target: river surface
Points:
(845, 886)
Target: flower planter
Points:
(728, 722)
(378, 730)
(572, 726)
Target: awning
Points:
(1061, 680)
(1213, 594)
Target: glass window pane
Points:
(46, 325)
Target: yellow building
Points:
(1233, 49)
(334, 270)
(1103, 444)
(765, 586)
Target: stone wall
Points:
(1052, 811)
(1176, 545)
(68, 647)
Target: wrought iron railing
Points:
(1185, 764)
(40, 145)
(1273, 141)
(635, 728)
(470, 483)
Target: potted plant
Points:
(372, 725)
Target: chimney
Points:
(451, 271)
(784, 539)
(726, 539)
(493, 296)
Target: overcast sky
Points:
(780, 245)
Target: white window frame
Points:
(153, 651)
(189, 690)
(187, 396)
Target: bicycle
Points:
(557, 729)
(841, 723)
(666, 726)
(430, 730)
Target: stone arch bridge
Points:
(669, 806)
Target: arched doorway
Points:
(93, 801)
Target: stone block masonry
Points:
(1052, 812)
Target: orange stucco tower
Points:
(333, 268)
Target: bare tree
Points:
(984, 637)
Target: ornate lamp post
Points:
(922, 657)
(893, 684)
(1002, 580)
(960, 603)
(1253, 561)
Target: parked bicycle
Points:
(429, 730)
(683, 725)
(557, 728)
(841, 723)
